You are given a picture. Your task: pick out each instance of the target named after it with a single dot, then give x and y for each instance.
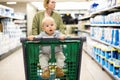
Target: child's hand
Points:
(31, 37)
(62, 37)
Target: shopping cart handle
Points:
(39, 39)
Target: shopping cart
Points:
(72, 49)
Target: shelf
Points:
(115, 77)
(84, 31)
(110, 9)
(85, 17)
(20, 21)
(106, 10)
(87, 24)
(118, 47)
(116, 25)
(3, 16)
(6, 54)
(103, 67)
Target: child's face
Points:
(49, 27)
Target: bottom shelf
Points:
(4, 55)
(103, 68)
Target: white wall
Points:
(30, 14)
(65, 5)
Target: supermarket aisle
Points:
(11, 68)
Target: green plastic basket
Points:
(72, 49)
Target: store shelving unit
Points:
(105, 11)
(84, 31)
(9, 31)
(4, 55)
(108, 44)
(22, 23)
(103, 67)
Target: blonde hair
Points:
(47, 18)
(45, 3)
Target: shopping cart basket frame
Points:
(23, 40)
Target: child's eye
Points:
(52, 24)
(47, 25)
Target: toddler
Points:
(49, 31)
